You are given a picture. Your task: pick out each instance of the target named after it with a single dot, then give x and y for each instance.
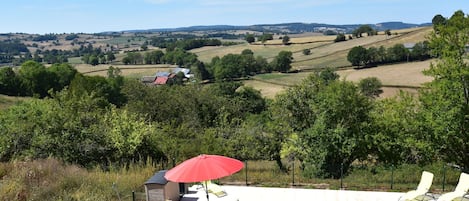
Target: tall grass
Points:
(49, 179)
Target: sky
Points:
(94, 16)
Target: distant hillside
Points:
(287, 27)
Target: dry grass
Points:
(324, 56)
(49, 179)
(268, 90)
(301, 40)
(405, 76)
(414, 35)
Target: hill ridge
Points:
(293, 27)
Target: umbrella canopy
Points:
(204, 167)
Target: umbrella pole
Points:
(206, 189)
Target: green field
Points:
(126, 40)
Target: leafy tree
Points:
(10, 83)
(286, 40)
(252, 100)
(397, 53)
(110, 56)
(446, 102)
(282, 62)
(328, 75)
(265, 37)
(399, 135)
(230, 66)
(340, 37)
(438, 20)
(107, 90)
(337, 137)
(421, 51)
(94, 60)
(153, 57)
(63, 75)
(370, 87)
(125, 133)
(250, 38)
(200, 71)
(247, 52)
(262, 65)
(364, 29)
(358, 56)
(388, 32)
(35, 79)
(330, 120)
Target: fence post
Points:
(444, 176)
(342, 176)
(133, 195)
(293, 172)
(246, 171)
(392, 176)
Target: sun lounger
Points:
(214, 188)
(421, 193)
(459, 192)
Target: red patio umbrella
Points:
(203, 168)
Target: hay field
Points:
(405, 76)
(300, 40)
(334, 54)
(414, 35)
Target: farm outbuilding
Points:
(157, 188)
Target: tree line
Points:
(366, 57)
(10, 49)
(185, 44)
(230, 66)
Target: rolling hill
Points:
(286, 27)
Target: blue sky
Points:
(91, 16)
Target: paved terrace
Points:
(244, 193)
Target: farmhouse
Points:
(162, 78)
